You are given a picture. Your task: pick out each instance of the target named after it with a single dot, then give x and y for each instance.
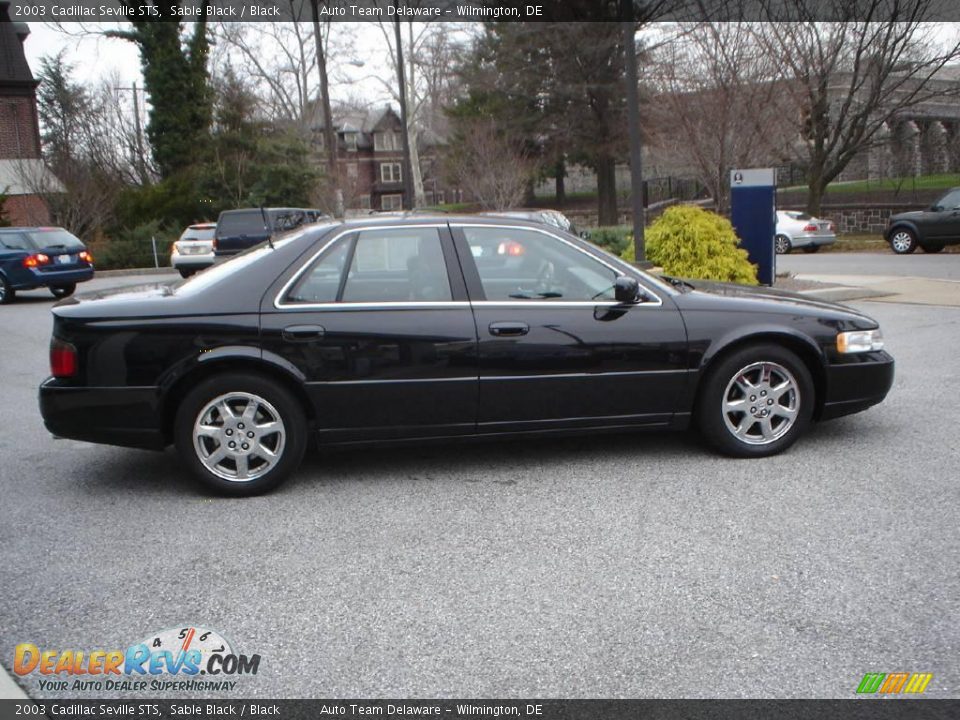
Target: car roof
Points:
(440, 218)
(37, 228)
(202, 226)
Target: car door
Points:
(947, 223)
(555, 349)
(377, 322)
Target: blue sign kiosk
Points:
(753, 212)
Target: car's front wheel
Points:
(781, 244)
(931, 248)
(903, 242)
(7, 293)
(756, 401)
(62, 291)
(240, 434)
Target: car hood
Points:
(731, 296)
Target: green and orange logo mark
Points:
(892, 683)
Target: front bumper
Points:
(129, 417)
(855, 385)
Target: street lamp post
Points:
(633, 124)
(405, 134)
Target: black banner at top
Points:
(484, 10)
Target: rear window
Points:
(198, 234)
(246, 222)
(36, 240)
(798, 215)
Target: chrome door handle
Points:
(508, 329)
(302, 333)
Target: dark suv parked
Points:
(238, 230)
(35, 257)
(929, 229)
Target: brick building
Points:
(22, 172)
(370, 157)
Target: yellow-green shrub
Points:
(690, 242)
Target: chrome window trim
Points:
(543, 231)
(654, 301)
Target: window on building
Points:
(350, 140)
(391, 202)
(386, 141)
(363, 202)
(353, 171)
(390, 172)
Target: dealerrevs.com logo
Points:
(169, 660)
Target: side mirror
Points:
(626, 289)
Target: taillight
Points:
(63, 359)
(215, 244)
(810, 228)
(36, 260)
(511, 248)
(85, 257)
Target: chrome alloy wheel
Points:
(781, 245)
(239, 436)
(902, 242)
(761, 403)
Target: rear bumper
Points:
(801, 241)
(37, 279)
(855, 386)
(129, 417)
(192, 261)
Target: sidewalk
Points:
(885, 288)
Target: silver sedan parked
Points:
(799, 230)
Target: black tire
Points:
(810, 249)
(931, 248)
(782, 245)
(720, 380)
(62, 291)
(280, 401)
(186, 272)
(903, 241)
(7, 293)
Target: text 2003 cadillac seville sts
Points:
(413, 328)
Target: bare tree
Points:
(493, 168)
(847, 80)
(716, 104)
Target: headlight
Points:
(857, 341)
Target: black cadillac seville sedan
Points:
(407, 329)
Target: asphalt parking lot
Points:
(618, 566)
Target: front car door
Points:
(377, 322)
(556, 349)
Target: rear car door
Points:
(377, 322)
(556, 350)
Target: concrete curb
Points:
(134, 271)
(9, 690)
(840, 294)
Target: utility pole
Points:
(329, 135)
(401, 76)
(633, 124)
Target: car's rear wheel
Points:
(756, 401)
(811, 249)
(903, 242)
(62, 291)
(240, 434)
(931, 248)
(7, 293)
(781, 244)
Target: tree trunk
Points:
(606, 190)
(815, 190)
(561, 190)
(419, 198)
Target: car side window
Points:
(321, 283)
(951, 201)
(14, 241)
(515, 264)
(397, 265)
